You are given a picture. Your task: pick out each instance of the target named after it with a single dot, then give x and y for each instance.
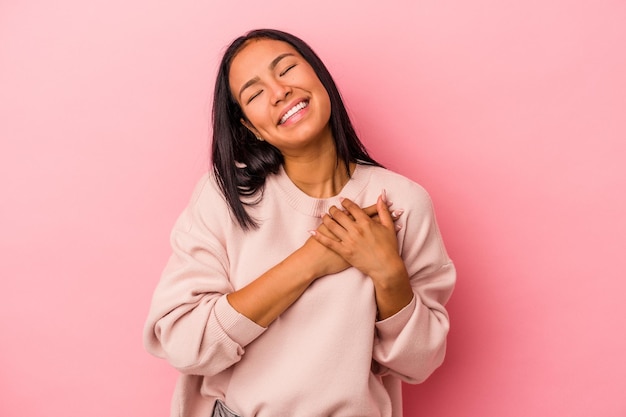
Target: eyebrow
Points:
(272, 65)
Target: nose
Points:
(280, 91)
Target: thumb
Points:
(383, 210)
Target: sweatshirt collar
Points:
(315, 207)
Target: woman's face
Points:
(280, 95)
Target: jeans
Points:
(220, 410)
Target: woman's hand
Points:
(324, 261)
(371, 246)
(276, 290)
(372, 211)
(327, 261)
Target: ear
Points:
(251, 128)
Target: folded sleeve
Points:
(411, 344)
(190, 322)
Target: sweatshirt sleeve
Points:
(411, 344)
(190, 322)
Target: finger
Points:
(371, 210)
(344, 222)
(333, 226)
(324, 240)
(345, 219)
(324, 231)
(383, 211)
(395, 215)
(357, 212)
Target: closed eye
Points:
(287, 70)
(255, 95)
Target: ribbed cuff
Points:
(238, 327)
(392, 326)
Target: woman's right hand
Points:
(268, 296)
(326, 261)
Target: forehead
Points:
(255, 57)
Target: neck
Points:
(318, 174)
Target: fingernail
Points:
(312, 232)
(384, 195)
(397, 213)
(398, 227)
(341, 199)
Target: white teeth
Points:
(293, 111)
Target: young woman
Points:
(294, 289)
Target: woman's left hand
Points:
(371, 246)
(366, 244)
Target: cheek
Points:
(254, 117)
(324, 98)
(326, 104)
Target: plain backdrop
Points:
(511, 113)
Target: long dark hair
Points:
(240, 161)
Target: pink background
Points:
(511, 113)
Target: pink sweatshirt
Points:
(326, 355)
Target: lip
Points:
(289, 107)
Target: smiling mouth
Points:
(295, 109)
